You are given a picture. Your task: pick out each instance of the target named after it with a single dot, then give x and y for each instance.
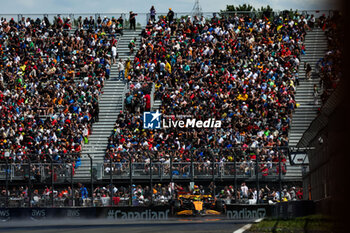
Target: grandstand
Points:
(74, 91)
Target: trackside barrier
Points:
(118, 213)
(283, 210)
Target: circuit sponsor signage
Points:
(248, 211)
(44, 213)
(135, 215)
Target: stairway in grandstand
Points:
(316, 46)
(156, 105)
(110, 104)
(122, 47)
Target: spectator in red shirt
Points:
(116, 200)
(148, 102)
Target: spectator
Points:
(131, 46)
(132, 20)
(170, 16)
(300, 194)
(83, 193)
(121, 70)
(315, 94)
(308, 69)
(114, 54)
(244, 190)
(148, 102)
(153, 14)
(116, 200)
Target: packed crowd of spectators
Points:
(50, 86)
(104, 25)
(236, 69)
(142, 195)
(266, 194)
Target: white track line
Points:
(246, 227)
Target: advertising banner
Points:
(240, 212)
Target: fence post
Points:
(124, 20)
(19, 17)
(151, 176)
(192, 170)
(91, 181)
(171, 167)
(235, 174)
(279, 173)
(130, 167)
(71, 16)
(257, 176)
(29, 184)
(171, 175)
(148, 16)
(111, 180)
(160, 170)
(96, 17)
(220, 166)
(52, 182)
(71, 182)
(7, 183)
(213, 168)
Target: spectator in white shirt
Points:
(121, 69)
(114, 54)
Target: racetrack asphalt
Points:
(192, 225)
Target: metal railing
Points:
(242, 164)
(143, 18)
(39, 172)
(125, 90)
(188, 170)
(152, 94)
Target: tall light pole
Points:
(197, 9)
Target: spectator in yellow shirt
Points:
(168, 67)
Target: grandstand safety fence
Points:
(235, 164)
(143, 18)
